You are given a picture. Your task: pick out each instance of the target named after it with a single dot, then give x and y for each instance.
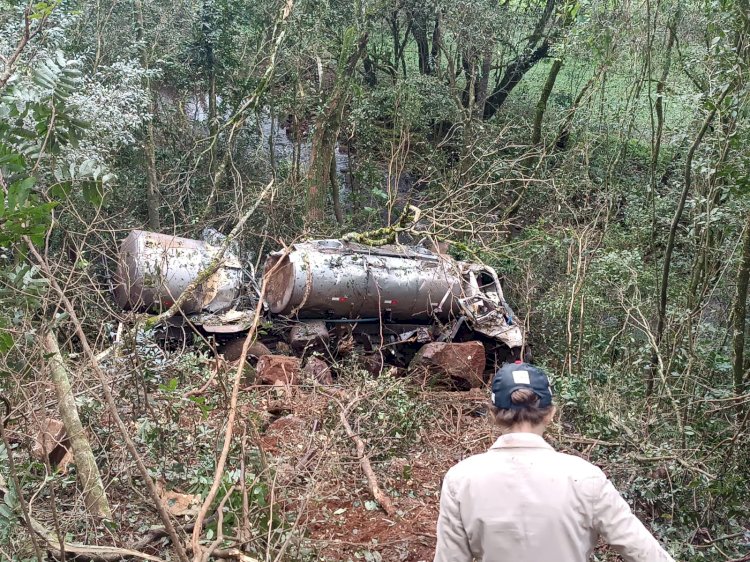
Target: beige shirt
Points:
(524, 502)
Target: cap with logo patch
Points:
(512, 376)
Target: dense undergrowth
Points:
(172, 117)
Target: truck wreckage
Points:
(403, 306)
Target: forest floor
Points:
(301, 468)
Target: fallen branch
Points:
(387, 234)
(161, 532)
(233, 554)
(79, 551)
(109, 398)
(87, 552)
(380, 496)
(198, 552)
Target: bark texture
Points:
(88, 473)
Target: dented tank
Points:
(409, 292)
(335, 279)
(154, 269)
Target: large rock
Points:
(232, 350)
(457, 364)
(318, 370)
(278, 369)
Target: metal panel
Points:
(154, 269)
(329, 278)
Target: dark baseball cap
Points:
(512, 376)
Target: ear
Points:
(550, 415)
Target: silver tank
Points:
(331, 278)
(154, 269)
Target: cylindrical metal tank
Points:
(154, 269)
(335, 279)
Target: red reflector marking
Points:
(339, 299)
(391, 302)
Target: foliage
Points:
(577, 224)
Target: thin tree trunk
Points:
(541, 106)
(662, 313)
(152, 185)
(659, 110)
(484, 80)
(739, 313)
(152, 189)
(512, 76)
(435, 48)
(327, 128)
(336, 192)
(89, 477)
(563, 135)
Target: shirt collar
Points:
(521, 440)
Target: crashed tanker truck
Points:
(324, 295)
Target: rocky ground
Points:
(295, 486)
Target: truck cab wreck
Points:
(327, 296)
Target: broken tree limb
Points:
(87, 552)
(198, 552)
(380, 496)
(387, 234)
(94, 496)
(108, 397)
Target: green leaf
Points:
(92, 192)
(6, 341)
(61, 190)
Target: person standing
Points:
(522, 501)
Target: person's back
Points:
(524, 502)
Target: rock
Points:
(371, 362)
(284, 433)
(233, 349)
(51, 441)
(317, 369)
(278, 369)
(458, 364)
(305, 335)
(283, 348)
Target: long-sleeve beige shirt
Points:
(524, 502)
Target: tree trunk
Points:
(419, 32)
(512, 75)
(739, 313)
(327, 127)
(435, 49)
(484, 79)
(94, 496)
(541, 106)
(335, 192)
(152, 182)
(152, 189)
(662, 313)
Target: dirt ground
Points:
(307, 477)
(341, 521)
